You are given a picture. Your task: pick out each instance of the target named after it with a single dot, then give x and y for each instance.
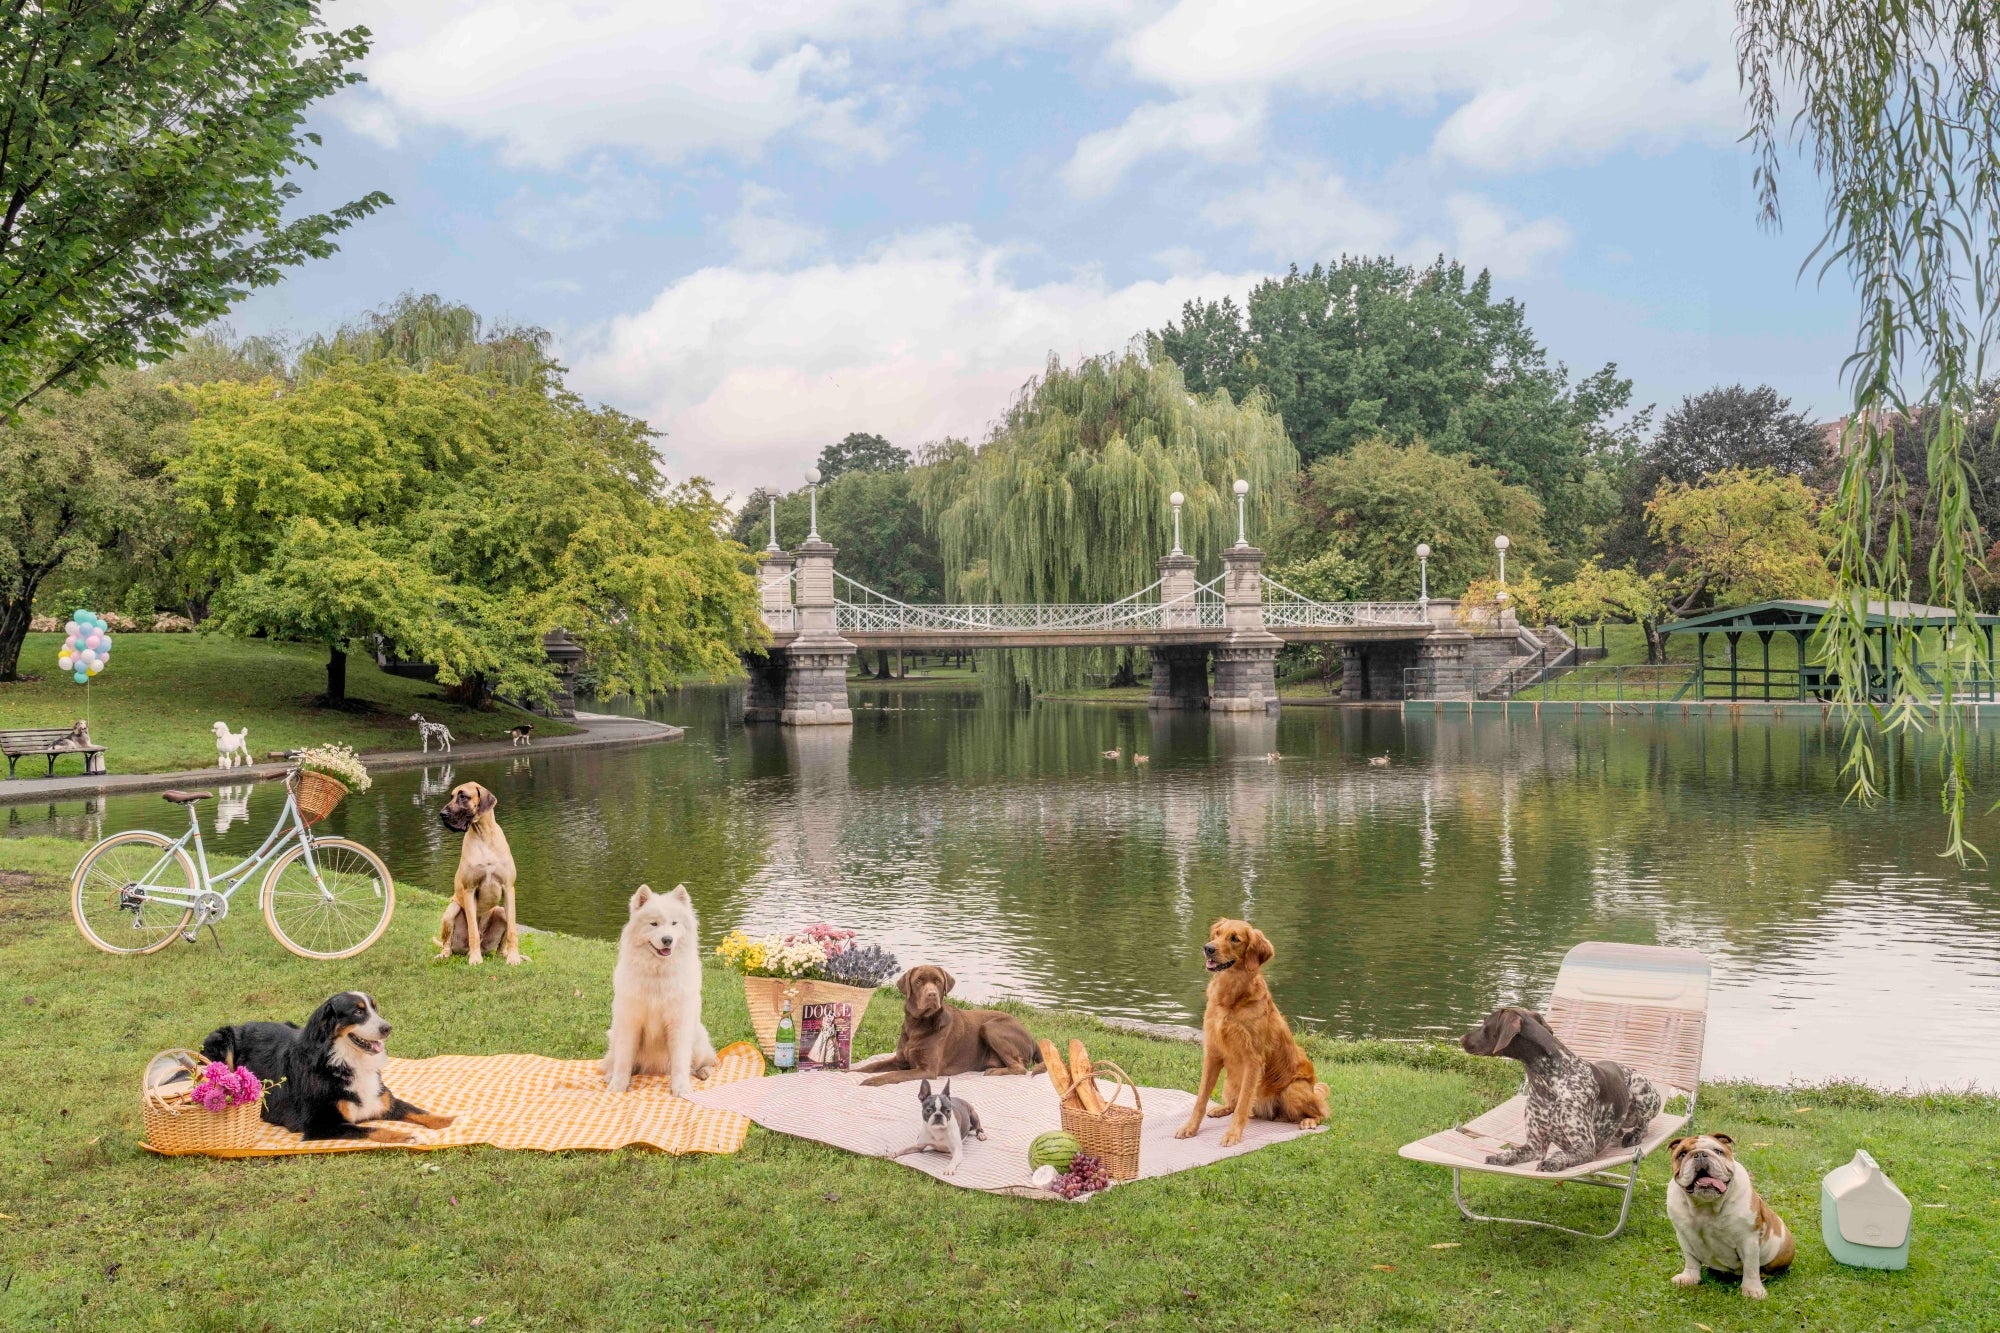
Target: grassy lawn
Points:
(1331, 1232)
(153, 708)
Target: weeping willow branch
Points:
(1067, 501)
(1894, 101)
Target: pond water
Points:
(1404, 901)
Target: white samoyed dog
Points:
(656, 996)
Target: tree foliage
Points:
(1897, 104)
(460, 518)
(875, 521)
(1367, 349)
(1714, 431)
(1067, 501)
(421, 331)
(80, 485)
(858, 451)
(146, 164)
(1738, 536)
(1375, 504)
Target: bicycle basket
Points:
(316, 794)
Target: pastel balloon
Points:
(80, 677)
(94, 641)
(106, 645)
(72, 628)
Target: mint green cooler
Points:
(1863, 1217)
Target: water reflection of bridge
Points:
(1213, 645)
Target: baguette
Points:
(1086, 1083)
(1058, 1071)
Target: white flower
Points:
(338, 762)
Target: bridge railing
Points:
(1290, 609)
(860, 609)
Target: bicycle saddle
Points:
(187, 797)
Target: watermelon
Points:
(1055, 1149)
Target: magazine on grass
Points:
(826, 1035)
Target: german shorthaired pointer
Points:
(1576, 1108)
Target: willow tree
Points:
(1067, 500)
(425, 331)
(1897, 104)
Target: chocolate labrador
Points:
(939, 1040)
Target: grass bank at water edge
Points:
(154, 707)
(1332, 1232)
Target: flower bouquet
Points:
(326, 773)
(817, 965)
(195, 1106)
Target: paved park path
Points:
(600, 731)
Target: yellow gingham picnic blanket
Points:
(533, 1102)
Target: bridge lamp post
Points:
(1177, 500)
(1242, 489)
(1423, 575)
(812, 480)
(1500, 544)
(774, 525)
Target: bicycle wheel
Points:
(340, 913)
(130, 893)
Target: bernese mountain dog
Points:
(327, 1076)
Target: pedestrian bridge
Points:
(1213, 645)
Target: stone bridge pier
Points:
(804, 683)
(1244, 660)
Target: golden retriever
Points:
(1243, 1032)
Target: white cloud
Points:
(552, 79)
(750, 372)
(1211, 126)
(1489, 238)
(1305, 212)
(762, 236)
(1549, 81)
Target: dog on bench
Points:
(939, 1040)
(479, 919)
(1576, 1108)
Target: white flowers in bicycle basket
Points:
(338, 762)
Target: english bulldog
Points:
(1719, 1218)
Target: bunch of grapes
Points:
(1085, 1176)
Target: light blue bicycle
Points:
(322, 897)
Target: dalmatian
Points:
(432, 731)
(1576, 1107)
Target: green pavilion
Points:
(1742, 676)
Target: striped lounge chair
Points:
(1644, 1007)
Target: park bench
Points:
(53, 743)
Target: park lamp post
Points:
(812, 480)
(1423, 575)
(1242, 489)
(774, 525)
(1177, 500)
(1500, 544)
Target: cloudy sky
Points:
(764, 224)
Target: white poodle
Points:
(231, 747)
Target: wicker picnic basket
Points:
(177, 1126)
(316, 794)
(767, 995)
(1112, 1138)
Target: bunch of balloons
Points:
(87, 650)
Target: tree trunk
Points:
(1123, 677)
(902, 671)
(336, 676)
(882, 664)
(1655, 650)
(14, 618)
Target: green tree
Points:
(1376, 503)
(1599, 593)
(859, 452)
(1736, 537)
(80, 478)
(459, 518)
(1896, 104)
(1067, 501)
(146, 166)
(427, 330)
(1722, 428)
(1366, 349)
